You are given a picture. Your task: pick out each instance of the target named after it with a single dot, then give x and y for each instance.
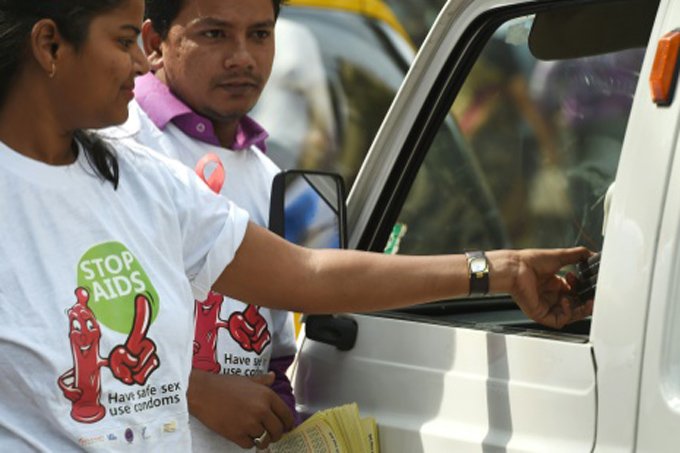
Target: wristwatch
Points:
(478, 272)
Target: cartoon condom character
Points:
(130, 363)
(82, 383)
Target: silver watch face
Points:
(477, 265)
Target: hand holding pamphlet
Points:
(336, 430)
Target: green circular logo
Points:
(113, 277)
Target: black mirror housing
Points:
(308, 208)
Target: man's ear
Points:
(152, 45)
(47, 45)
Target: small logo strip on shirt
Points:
(89, 441)
(128, 435)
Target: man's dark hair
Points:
(73, 18)
(162, 13)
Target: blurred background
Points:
(416, 16)
(338, 66)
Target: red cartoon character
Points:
(136, 359)
(249, 329)
(207, 316)
(133, 361)
(82, 383)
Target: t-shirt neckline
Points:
(41, 173)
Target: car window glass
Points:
(525, 158)
(528, 153)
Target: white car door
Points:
(506, 133)
(658, 128)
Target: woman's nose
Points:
(141, 64)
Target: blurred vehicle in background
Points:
(337, 68)
(417, 16)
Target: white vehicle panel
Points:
(659, 411)
(659, 405)
(629, 250)
(437, 388)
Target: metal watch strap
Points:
(479, 277)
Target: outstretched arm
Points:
(327, 281)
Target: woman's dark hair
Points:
(73, 18)
(163, 12)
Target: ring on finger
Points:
(259, 441)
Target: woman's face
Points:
(96, 81)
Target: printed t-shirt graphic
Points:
(248, 328)
(123, 300)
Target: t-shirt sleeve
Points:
(212, 229)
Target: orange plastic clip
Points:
(664, 71)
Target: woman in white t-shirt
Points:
(102, 246)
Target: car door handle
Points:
(336, 330)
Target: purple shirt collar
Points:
(156, 99)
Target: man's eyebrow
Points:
(209, 21)
(263, 24)
(214, 22)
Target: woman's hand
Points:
(530, 276)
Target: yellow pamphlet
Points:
(335, 430)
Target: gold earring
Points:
(53, 70)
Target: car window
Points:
(537, 149)
(525, 158)
(335, 75)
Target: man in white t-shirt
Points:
(210, 61)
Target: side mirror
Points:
(308, 208)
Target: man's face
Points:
(218, 55)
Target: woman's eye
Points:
(126, 43)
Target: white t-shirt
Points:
(244, 338)
(92, 278)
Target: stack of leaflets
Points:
(336, 430)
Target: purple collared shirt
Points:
(156, 99)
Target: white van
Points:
(512, 124)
